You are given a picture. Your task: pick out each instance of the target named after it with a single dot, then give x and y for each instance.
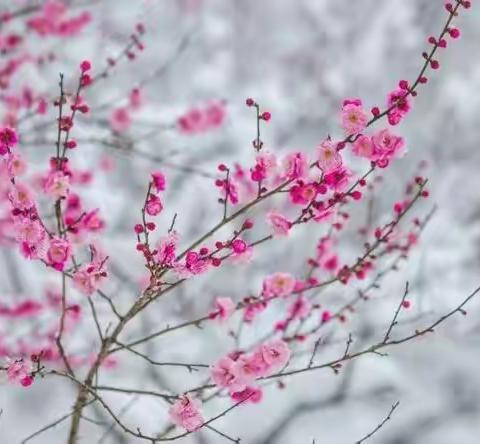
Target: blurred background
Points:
(299, 59)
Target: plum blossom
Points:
(58, 253)
(303, 193)
(354, 117)
(194, 264)
(88, 278)
(278, 284)
(241, 251)
(21, 197)
(275, 353)
(300, 308)
(159, 181)
(266, 164)
(387, 145)
(185, 412)
(328, 158)
(57, 184)
(295, 166)
(198, 120)
(224, 308)
(31, 236)
(363, 147)
(16, 164)
(226, 374)
(154, 205)
(280, 224)
(248, 394)
(166, 249)
(399, 101)
(120, 120)
(8, 139)
(19, 372)
(53, 20)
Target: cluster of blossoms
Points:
(200, 120)
(238, 371)
(53, 20)
(315, 187)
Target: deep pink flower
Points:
(400, 101)
(166, 249)
(154, 205)
(159, 181)
(249, 394)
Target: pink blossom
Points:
(185, 412)
(194, 265)
(300, 308)
(21, 197)
(57, 184)
(225, 374)
(59, 252)
(91, 221)
(338, 179)
(276, 353)
(363, 147)
(120, 120)
(246, 369)
(280, 224)
(215, 114)
(28, 230)
(303, 193)
(399, 101)
(266, 164)
(154, 205)
(251, 310)
(249, 394)
(387, 145)
(295, 166)
(159, 181)
(225, 307)
(328, 157)
(198, 120)
(326, 316)
(354, 118)
(8, 139)
(18, 372)
(278, 284)
(16, 165)
(52, 20)
(242, 252)
(136, 99)
(166, 249)
(89, 277)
